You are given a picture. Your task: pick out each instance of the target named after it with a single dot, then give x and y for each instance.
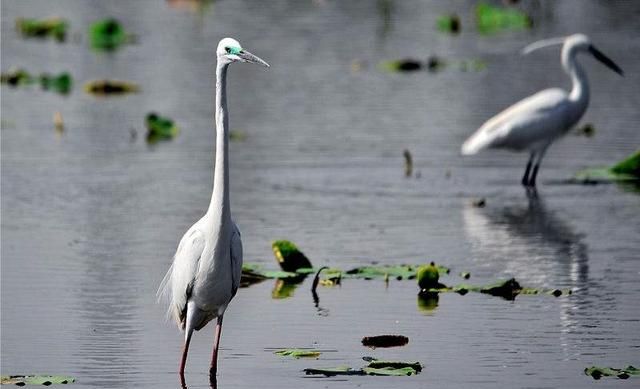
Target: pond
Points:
(92, 215)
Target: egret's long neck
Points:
(579, 83)
(220, 208)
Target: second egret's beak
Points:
(246, 56)
(605, 60)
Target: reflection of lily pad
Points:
(289, 257)
(110, 87)
(46, 380)
(599, 372)
(491, 19)
(298, 353)
(625, 170)
(160, 128)
(385, 341)
(107, 35)
(55, 28)
(284, 288)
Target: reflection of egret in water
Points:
(533, 243)
(427, 302)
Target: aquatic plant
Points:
(598, 372)
(45, 380)
(107, 35)
(53, 27)
(160, 128)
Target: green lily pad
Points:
(399, 272)
(55, 28)
(107, 35)
(389, 371)
(598, 372)
(62, 83)
(374, 368)
(110, 87)
(160, 128)
(625, 170)
(508, 289)
(298, 353)
(492, 19)
(382, 364)
(46, 380)
(334, 371)
(289, 257)
(449, 24)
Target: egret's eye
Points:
(233, 50)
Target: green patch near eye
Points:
(234, 50)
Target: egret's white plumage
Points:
(533, 123)
(206, 269)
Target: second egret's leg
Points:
(214, 358)
(525, 178)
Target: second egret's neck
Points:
(579, 83)
(220, 207)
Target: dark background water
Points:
(90, 219)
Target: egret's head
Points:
(229, 50)
(573, 44)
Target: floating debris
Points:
(58, 122)
(479, 203)
(588, 130)
(17, 77)
(110, 87)
(46, 380)
(107, 35)
(492, 19)
(160, 128)
(237, 136)
(599, 372)
(465, 274)
(433, 64)
(625, 170)
(449, 23)
(53, 27)
(298, 353)
(374, 368)
(408, 163)
(289, 257)
(385, 341)
(402, 65)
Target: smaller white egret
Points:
(537, 121)
(207, 266)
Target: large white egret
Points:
(534, 123)
(207, 266)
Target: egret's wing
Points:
(178, 281)
(236, 258)
(536, 118)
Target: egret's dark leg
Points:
(536, 166)
(185, 351)
(214, 358)
(525, 178)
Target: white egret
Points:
(207, 266)
(537, 121)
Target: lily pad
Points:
(449, 23)
(385, 341)
(382, 364)
(62, 83)
(625, 170)
(374, 368)
(110, 87)
(46, 380)
(107, 35)
(508, 289)
(298, 353)
(491, 19)
(160, 128)
(399, 272)
(598, 372)
(289, 257)
(334, 371)
(54, 27)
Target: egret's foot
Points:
(213, 380)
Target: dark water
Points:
(90, 219)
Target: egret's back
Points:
(528, 124)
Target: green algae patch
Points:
(46, 380)
(598, 372)
(160, 128)
(107, 35)
(298, 353)
(625, 170)
(374, 368)
(449, 24)
(492, 19)
(103, 88)
(55, 28)
(289, 257)
(385, 341)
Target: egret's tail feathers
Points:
(164, 293)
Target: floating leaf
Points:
(374, 368)
(46, 380)
(508, 289)
(385, 341)
(449, 23)
(55, 28)
(110, 87)
(625, 170)
(289, 257)
(62, 83)
(107, 35)
(492, 19)
(334, 371)
(160, 128)
(599, 372)
(399, 272)
(298, 353)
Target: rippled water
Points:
(91, 219)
